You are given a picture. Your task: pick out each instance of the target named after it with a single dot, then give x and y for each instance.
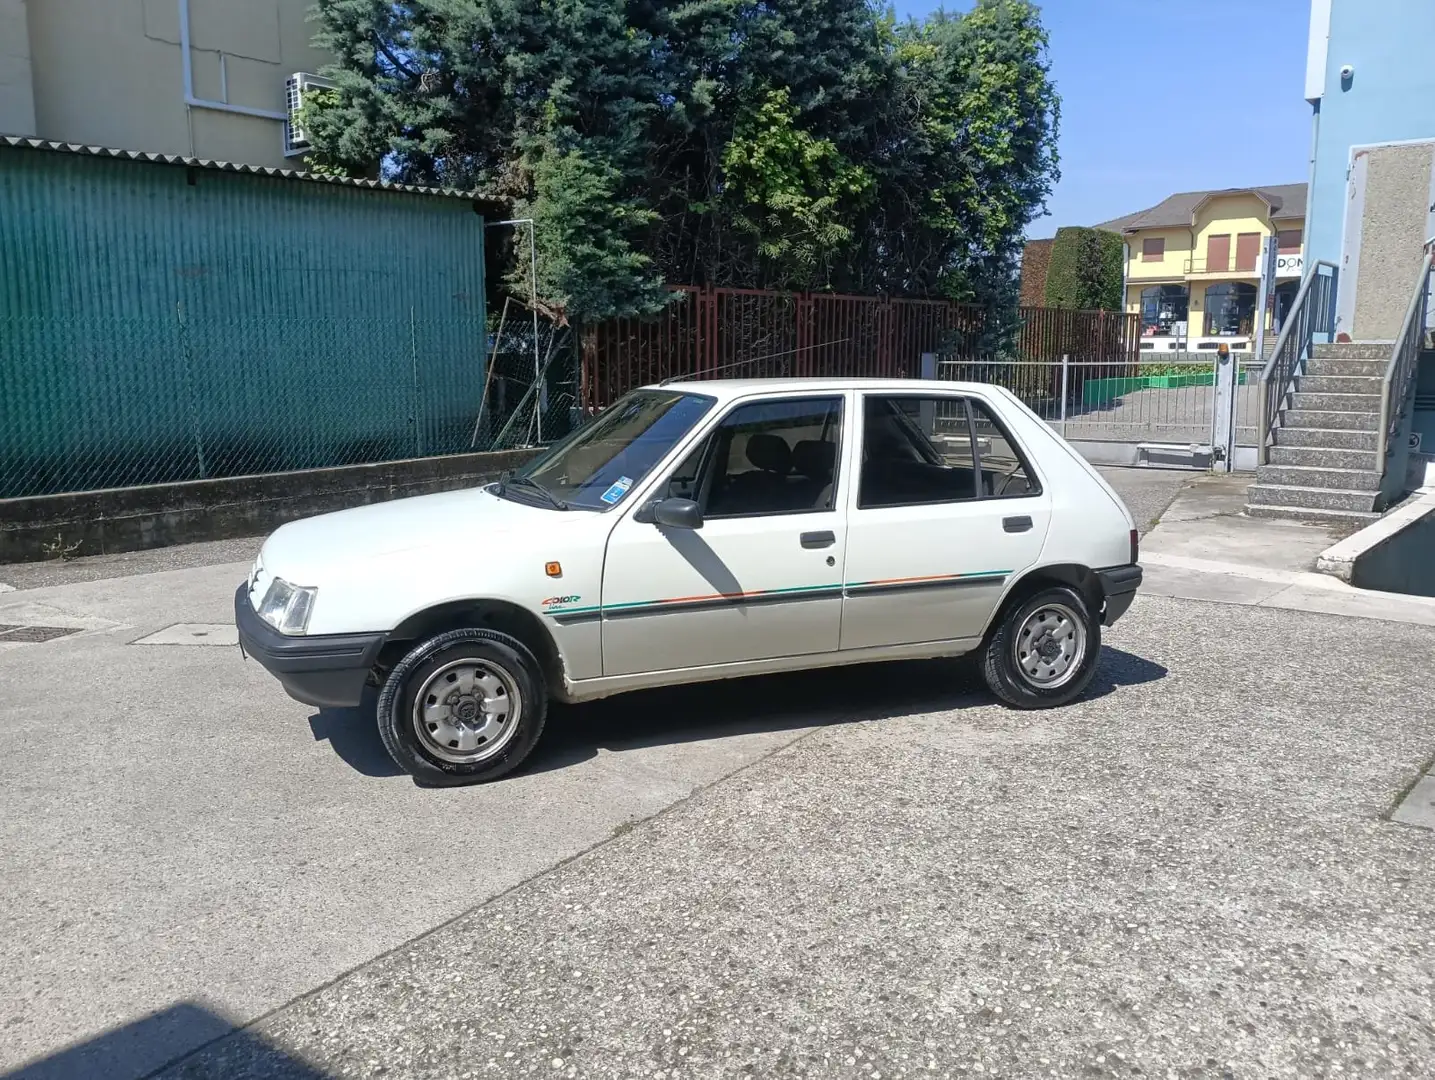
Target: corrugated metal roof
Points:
(235, 167)
(1287, 202)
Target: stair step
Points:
(1322, 418)
(1306, 514)
(1312, 498)
(1323, 457)
(1336, 402)
(1340, 384)
(1325, 438)
(1314, 476)
(1372, 368)
(1354, 350)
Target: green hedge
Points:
(1085, 270)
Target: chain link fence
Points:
(98, 402)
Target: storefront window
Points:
(1230, 309)
(1162, 306)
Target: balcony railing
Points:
(1219, 266)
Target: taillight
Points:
(1135, 547)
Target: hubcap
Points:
(1049, 646)
(467, 711)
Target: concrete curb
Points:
(1339, 559)
(1186, 578)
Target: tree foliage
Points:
(803, 144)
(1085, 270)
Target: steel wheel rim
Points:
(467, 711)
(1049, 645)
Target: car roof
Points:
(728, 389)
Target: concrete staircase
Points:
(1322, 464)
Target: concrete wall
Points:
(1388, 42)
(17, 92)
(1394, 222)
(110, 73)
(1401, 563)
(134, 519)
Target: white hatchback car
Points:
(697, 531)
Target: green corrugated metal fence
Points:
(161, 322)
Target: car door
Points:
(943, 510)
(762, 576)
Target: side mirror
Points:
(678, 514)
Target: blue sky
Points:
(1160, 96)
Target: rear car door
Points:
(762, 577)
(944, 510)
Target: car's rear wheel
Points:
(463, 707)
(1044, 650)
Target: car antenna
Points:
(752, 360)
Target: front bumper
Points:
(326, 670)
(1118, 585)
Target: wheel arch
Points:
(478, 613)
(1081, 578)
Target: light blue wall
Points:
(1390, 98)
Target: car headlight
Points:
(287, 607)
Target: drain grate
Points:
(35, 633)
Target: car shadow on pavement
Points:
(140, 1048)
(353, 735)
(761, 703)
(767, 703)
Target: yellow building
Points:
(1192, 264)
(191, 78)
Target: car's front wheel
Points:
(1044, 650)
(463, 707)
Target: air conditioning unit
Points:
(297, 89)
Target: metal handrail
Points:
(1400, 372)
(1295, 338)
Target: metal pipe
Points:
(1263, 389)
(533, 306)
(1408, 328)
(187, 64)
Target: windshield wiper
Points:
(529, 484)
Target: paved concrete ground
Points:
(1186, 874)
(845, 873)
(1175, 414)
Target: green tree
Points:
(805, 144)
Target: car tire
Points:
(1044, 651)
(463, 707)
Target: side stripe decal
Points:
(797, 593)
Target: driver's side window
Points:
(768, 457)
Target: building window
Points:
(1162, 306)
(1230, 309)
(1218, 254)
(1153, 250)
(1248, 251)
(1288, 241)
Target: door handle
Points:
(1016, 524)
(818, 539)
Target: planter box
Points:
(1099, 391)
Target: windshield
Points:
(593, 468)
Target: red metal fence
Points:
(757, 333)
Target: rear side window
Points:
(919, 449)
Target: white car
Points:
(702, 530)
